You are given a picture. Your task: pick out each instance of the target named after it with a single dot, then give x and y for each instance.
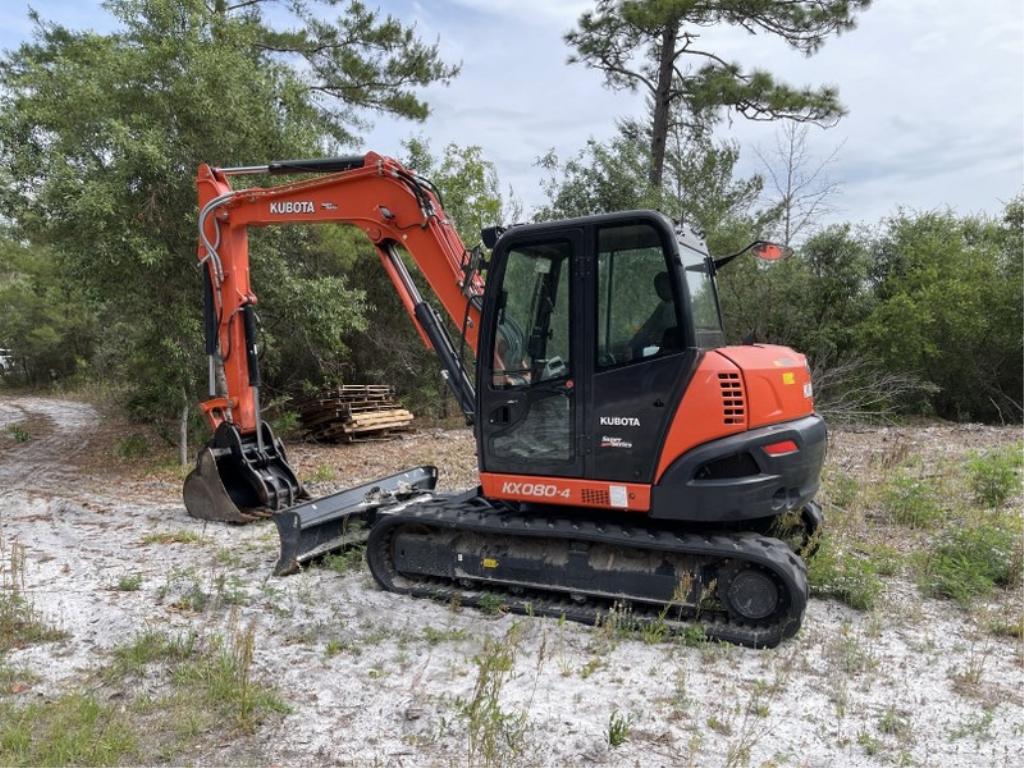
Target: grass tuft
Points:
(20, 622)
(618, 729)
(849, 577)
(130, 582)
(912, 501)
(174, 537)
(75, 729)
(971, 560)
(995, 475)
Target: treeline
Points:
(100, 136)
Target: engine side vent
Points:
(734, 409)
(597, 496)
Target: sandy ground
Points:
(366, 686)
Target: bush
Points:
(972, 560)
(849, 577)
(911, 501)
(994, 475)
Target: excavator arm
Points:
(243, 470)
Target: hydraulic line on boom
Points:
(244, 473)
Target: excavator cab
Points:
(613, 311)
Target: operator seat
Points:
(660, 329)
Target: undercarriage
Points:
(738, 586)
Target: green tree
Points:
(700, 186)
(100, 136)
(949, 309)
(468, 184)
(44, 322)
(653, 45)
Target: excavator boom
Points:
(243, 473)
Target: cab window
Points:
(532, 341)
(637, 312)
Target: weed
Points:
(130, 582)
(135, 446)
(20, 622)
(1006, 626)
(871, 745)
(970, 560)
(995, 475)
(229, 590)
(495, 736)
(349, 560)
(437, 636)
(978, 727)
(132, 658)
(842, 490)
(194, 599)
(849, 577)
(719, 726)
(847, 653)
(618, 729)
(894, 723)
(174, 537)
(18, 433)
(491, 604)
(912, 501)
(680, 694)
(15, 679)
(590, 668)
(221, 680)
(228, 557)
(74, 729)
(322, 473)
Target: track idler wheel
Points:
(750, 594)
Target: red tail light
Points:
(781, 448)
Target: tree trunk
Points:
(183, 431)
(662, 103)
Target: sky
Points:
(934, 91)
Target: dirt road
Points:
(373, 678)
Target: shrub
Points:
(849, 577)
(969, 561)
(994, 475)
(911, 501)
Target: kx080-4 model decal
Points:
(540, 490)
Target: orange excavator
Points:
(629, 460)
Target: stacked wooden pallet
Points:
(354, 412)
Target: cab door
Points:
(529, 395)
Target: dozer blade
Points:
(236, 480)
(323, 525)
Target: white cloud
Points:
(935, 93)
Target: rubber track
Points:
(769, 553)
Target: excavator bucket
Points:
(241, 479)
(342, 519)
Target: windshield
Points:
(707, 323)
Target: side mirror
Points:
(771, 251)
(762, 249)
